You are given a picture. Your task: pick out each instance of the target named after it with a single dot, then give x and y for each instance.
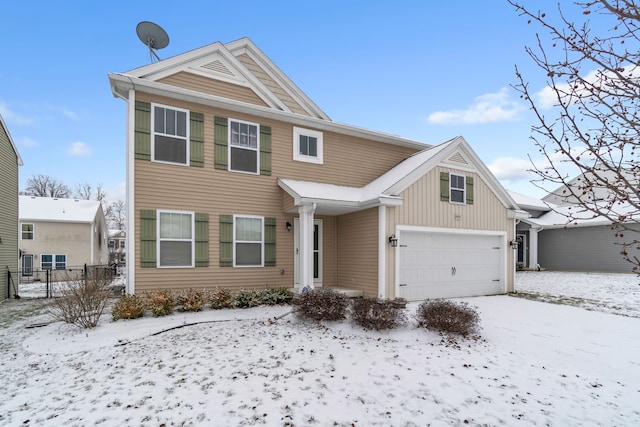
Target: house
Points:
(550, 240)
(117, 246)
(9, 162)
(59, 234)
(237, 179)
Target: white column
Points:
(533, 247)
(382, 251)
(130, 245)
(306, 214)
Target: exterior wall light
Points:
(393, 241)
(288, 225)
(513, 244)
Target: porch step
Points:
(351, 293)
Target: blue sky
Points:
(424, 70)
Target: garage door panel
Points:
(445, 265)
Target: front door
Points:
(27, 265)
(522, 248)
(317, 251)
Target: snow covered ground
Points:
(536, 364)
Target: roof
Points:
(32, 208)
(527, 202)
(384, 190)
(559, 216)
(13, 145)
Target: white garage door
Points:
(446, 265)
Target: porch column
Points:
(533, 246)
(306, 214)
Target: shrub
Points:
(248, 298)
(321, 304)
(128, 307)
(191, 300)
(82, 300)
(275, 296)
(221, 298)
(447, 316)
(378, 314)
(161, 303)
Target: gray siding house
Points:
(9, 162)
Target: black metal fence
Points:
(38, 283)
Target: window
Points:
(169, 138)
(307, 145)
(457, 188)
(247, 241)
(111, 244)
(175, 232)
(27, 231)
(244, 144)
(46, 262)
(121, 244)
(61, 262)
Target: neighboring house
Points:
(236, 179)
(117, 246)
(9, 162)
(57, 234)
(548, 240)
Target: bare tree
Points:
(118, 215)
(594, 123)
(84, 191)
(46, 186)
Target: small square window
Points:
(307, 145)
(27, 231)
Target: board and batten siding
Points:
(358, 251)
(422, 207)
(271, 84)
(8, 211)
(213, 87)
(581, 249)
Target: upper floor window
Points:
(307, 145)
(27, 231)
(457, 188)
(244, 144)
(169, 142)
(121, 244)
(175, 232)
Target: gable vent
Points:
(217, 67)
(457, 158)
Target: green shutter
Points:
(221, 141)
(142, 128)
(269, 242)
(196, 137)
(148, 239)
(444, 186)
(265, 150)
(226, 240)
(469, 190)
(202, 240)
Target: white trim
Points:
(498, 233)
(261, 218)
(230, 145)
(187, 138)
(297, 133)
(382, 251)
(464, 189)
(33, 231)
(159, 239)
(130, 195)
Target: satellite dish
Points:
(153, 36)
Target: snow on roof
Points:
(57, 210)
(558, 217)
(527, 202)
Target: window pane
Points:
(457, 181)
(304, 145)
(244, 160)
(248, 254)
(235, 133)
(313, 147)
(169, 149)
(46, 262)
(170, 122)
(175, 225)
(158, 118)
(61, 262)
(185, 226)
(253, 136)
(457, 196)
(175, 254)
(249, 229)
(181, 124)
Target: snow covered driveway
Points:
(536, 364)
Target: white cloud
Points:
(487, 108)
(70, 114)
(79, 149)
(28, 142)
(511, 169)
(14, 118)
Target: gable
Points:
(6, 142)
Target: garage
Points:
(436, 264)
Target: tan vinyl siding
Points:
(422, 207)
(213, 87)
(64, 238)
(358, 251)
(271, 84)
(8, 211)
(348, 161)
